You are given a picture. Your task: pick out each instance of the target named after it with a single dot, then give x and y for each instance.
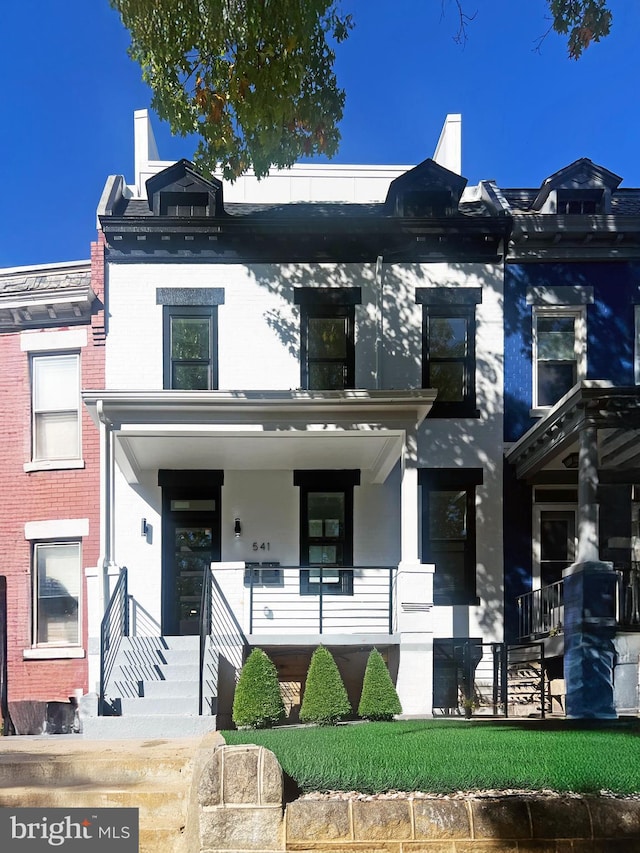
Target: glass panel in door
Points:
(192, 556)
(557, 544)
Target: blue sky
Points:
(68, 91)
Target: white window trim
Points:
(579, 313)
(50, 651)
(62, 463)
(636, 348)
(54, 653)
(538, 509)
(57, 528)
(64, 339)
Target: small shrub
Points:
(257, 702)
(325, 698)
(379, 700)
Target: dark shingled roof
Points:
(139, 208)
(624, 202)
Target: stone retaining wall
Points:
(239, 796)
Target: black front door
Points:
(191, 541)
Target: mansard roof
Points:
(32, 297)
(435, 223)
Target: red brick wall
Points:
(44, 495)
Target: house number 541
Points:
(261, 546)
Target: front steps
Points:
(68, 771)
(153, 691)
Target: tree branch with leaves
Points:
(255, 80)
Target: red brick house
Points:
(51, 346)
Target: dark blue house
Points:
(572, 411)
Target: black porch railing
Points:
(358, 599)
(629, 596)
(115, 626)
(541, 611)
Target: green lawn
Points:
(441, 756)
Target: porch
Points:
(541, 611)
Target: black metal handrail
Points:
(220, 631)
(541, 611)
(629, 593)
(114, 626)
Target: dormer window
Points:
(426, 191)
(427, 203)
(181, 191)
(184, 204)
(579, 202)
(581, 189)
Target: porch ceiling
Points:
(613, 411)
(259, 430)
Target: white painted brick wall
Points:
(259, 349)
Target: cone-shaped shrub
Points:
(379, 700)
(325, 699)
(257, 702)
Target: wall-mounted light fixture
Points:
(237, 528)
(144, 527)
(571, 460)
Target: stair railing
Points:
(114, 626)
(220, 634)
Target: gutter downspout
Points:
(379, 282)
(106, 499)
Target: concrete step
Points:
(160, 806)
(191, 643)
(68, 771)
(157, 657)
(155, 705)
(152, 726)
(157, 672)
(106, 767)
(164, 689)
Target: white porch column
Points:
(587, 496)
(414, 599)
(99, 579)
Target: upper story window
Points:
(184, 204)
(559, 340)
(190, 348)
(579, 202)
(449, 531)
(559, 352)
(449, 348)
(428, 203)
(55, 391)
(190, 336)
(327, 337)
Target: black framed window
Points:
(326, 531)
(327, 337)
(449, 531)
(449, 348)
(190, 347)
